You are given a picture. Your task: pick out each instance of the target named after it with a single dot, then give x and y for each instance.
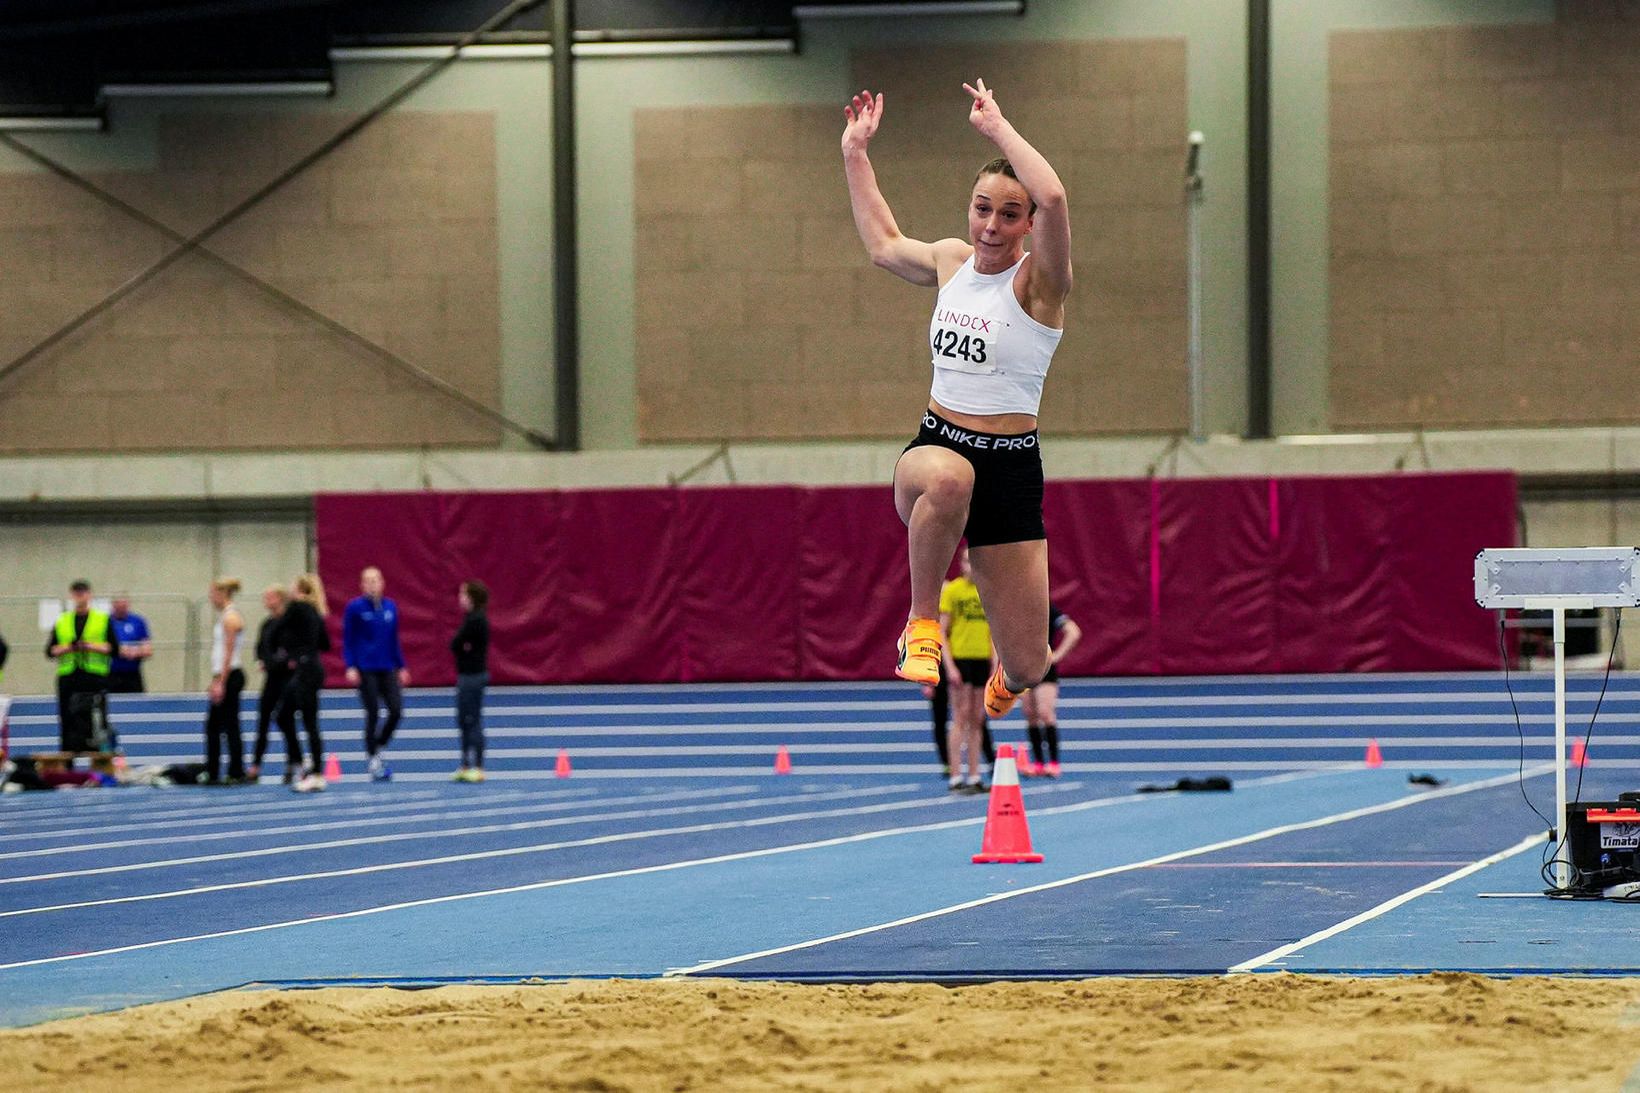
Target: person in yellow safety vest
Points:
(83, 643)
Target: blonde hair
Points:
(310, 589)
(228, 586)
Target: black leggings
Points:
(1046, 733)
(272, 687)
(302, 693)
(470, 717)
(222, 723)
(377, 688)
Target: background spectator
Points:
(375, 665)
(1041, 702)
(227, 681)
(275, 675)
(967, 649)
(302, 636)
(83, 643)
(471, 647)
(136, 646)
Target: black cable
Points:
(1588, 734)
(1503, 655)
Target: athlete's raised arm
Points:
(1049, 271)
(911, 259)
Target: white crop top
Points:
(990, 357)
(219, 646)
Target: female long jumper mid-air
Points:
(975, 468)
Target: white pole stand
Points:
(1557, 581)
(1563, 865)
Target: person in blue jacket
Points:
(375, 665)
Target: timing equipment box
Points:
(1603, 840)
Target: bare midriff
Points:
(1002, 424)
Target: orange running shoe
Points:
(998, 698)
(920, 652)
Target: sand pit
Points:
(1439, 1032)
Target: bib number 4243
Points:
(967, 348)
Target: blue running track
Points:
(673, 850)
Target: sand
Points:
(1438, 1032)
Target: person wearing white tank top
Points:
(975, 469)
(227, 683)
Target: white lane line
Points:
(665, 867)
(1383, 908)
(168, 802)
(454, 832)
(300, 807)
(1161, 859)
(358, 822)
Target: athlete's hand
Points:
(404, 677)
(353, 676)
(984, 115)
(864, 114)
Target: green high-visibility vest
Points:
(96, 631)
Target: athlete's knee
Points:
(947, 490)
(1025, 672)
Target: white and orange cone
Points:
(1007, 836)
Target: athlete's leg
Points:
(1047, 701)
(1013, 586)
(969, 700)
(1028, 703)
(932, 486)
(940, 707)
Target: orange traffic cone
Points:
(562, 769)
(333, 768)
(782, 761)
(1580, 754)
(1007, 836)
(1375, 758)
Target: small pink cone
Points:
(333, 768)
(563, 768)
(1375, 758)
(782, 761)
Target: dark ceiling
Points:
(57, 55)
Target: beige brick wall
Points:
(760, 317)
(393, 235)
(1485, 211)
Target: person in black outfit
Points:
(275, 675)
(301, 634)
(471, 647)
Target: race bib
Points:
(966, 342)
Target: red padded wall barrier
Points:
(1174, 576)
